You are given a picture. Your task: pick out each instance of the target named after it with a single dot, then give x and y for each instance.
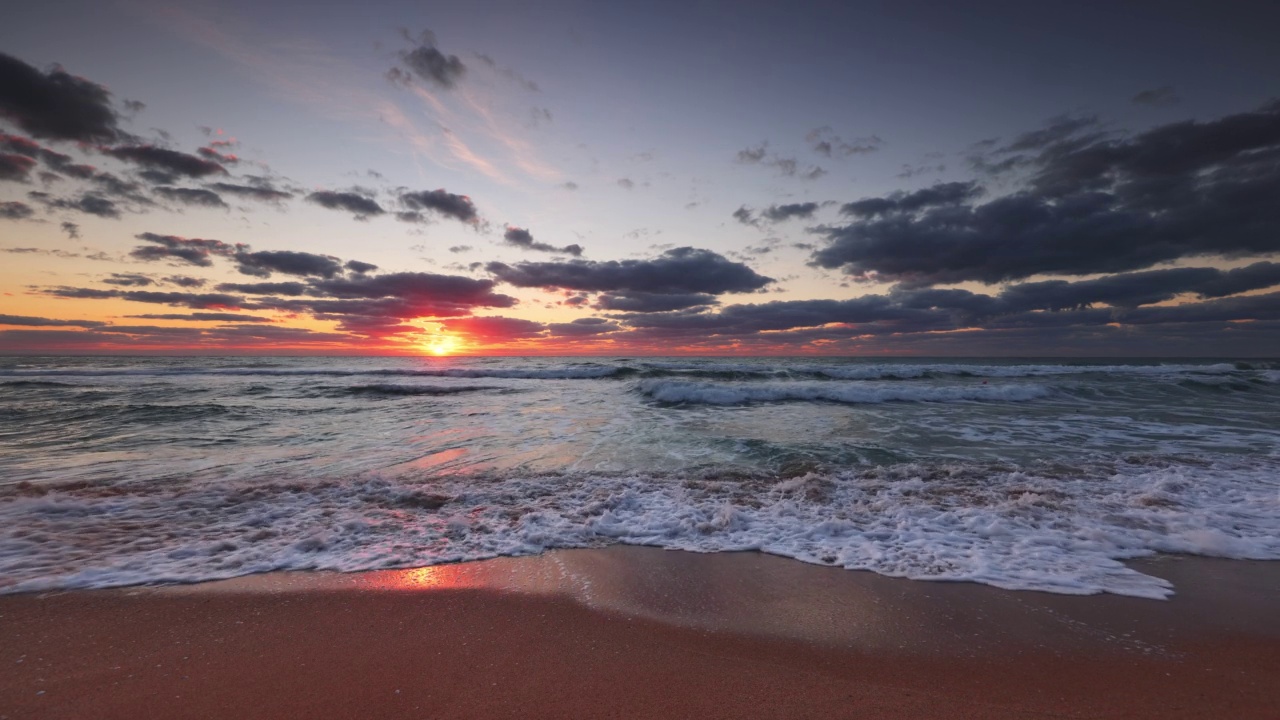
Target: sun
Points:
(441, 345)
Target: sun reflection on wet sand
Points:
(433, 577)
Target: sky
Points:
(587, 178)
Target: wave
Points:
(678, 391)
(560, 373)
(1044, 528)
(704, 370)
(389, 389)
(36, 384)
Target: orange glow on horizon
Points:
(442, 345)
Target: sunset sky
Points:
(913, 178)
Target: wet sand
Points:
(638, 632)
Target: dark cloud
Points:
(206, 317)
(952, 193)
(213, 155)
(786, 166)
(678, 271)
(88, 203)
(495, 329)
(170, 162)
(523, 238)
(626, 183)
(825, 142)
(65, 165)
(745, 216)
(195, 301)
(360, 268)
(191, 196)
(55, 104)
(583, 327)
(185, 281)
(194, 251)
(453, 289)
(458, 207)
(72, 230)
(1164, 96)
(28, 321)
(1058, 130)
(779, 213)
(642, 302)
(129, 280)
(289, 262)
(265, 192)
(15, 167)
(1177, 191)
(427, 63)
(13, 210)
(359, 205)
(20, 145)
(291, 289)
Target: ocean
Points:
(1018, 473)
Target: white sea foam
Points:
(680, 391)
(1063, 532)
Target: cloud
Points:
(28, 321)
(264, 192)
(171, 162)
(495, 329)
(1164, 96)
(88, 203)
(427, 63)
(678, 271)
(626, 183)
(584, 327)
(129, 280)
(13, 210)
(289, 262)
(1097, 205)
(825, 142)
(292, 289)
(185, 281)
(779, 213)
(20, 146)
(745, 216)
(212, 154)
(524, 239)
(72, 230)
(194, 251)
(359, 205)
(191, 196)
(206, 317)
(15, 167)
(360, 268)
(458, 207)
(55, 104)
(196, 301)
(952, 193)
(786, 166)
(644, 302)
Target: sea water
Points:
(1023, 474)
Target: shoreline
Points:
(640, 632)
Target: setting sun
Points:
(442, 345)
